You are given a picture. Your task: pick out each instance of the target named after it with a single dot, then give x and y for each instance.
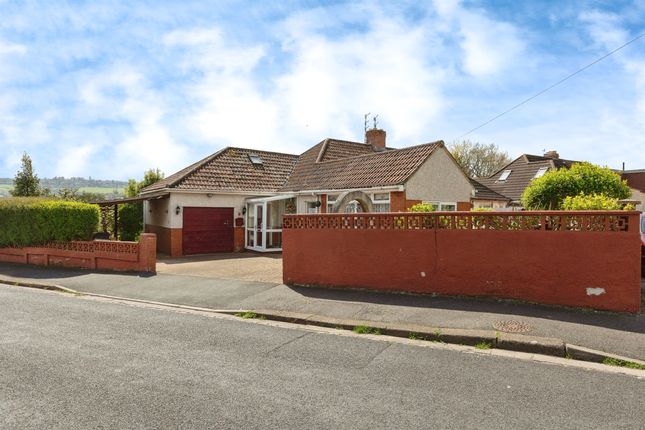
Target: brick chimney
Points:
(552, 154)
(376, 138)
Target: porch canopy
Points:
(116, 202)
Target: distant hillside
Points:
(110, 188)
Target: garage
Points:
(207, 230)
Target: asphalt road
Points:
(73, 363)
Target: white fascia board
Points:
(338, 191)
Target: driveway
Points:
(246, 266)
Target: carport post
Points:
(116, 222)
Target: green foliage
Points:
(28, 221)
(150, 176)
(549, 191)
(130, 221)
(131, 214)
(26, 182)
(362, 329)
(483, 345)
(623, 363)
(478, 160)
(583, 202)
(421, 207)
(481, 210)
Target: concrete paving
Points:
(72, 363)
(621, 334)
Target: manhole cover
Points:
(511, 326)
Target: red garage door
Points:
(207, 230)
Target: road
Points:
(68, 362)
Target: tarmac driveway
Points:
(246, 266)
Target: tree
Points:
(550, 191)
(150, 176)
(26, 182)
(478, 160)
(131, 214)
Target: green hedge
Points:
(26, 221)
(130, 221)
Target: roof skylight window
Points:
(256, 159)
(505, 174)
(541, 171)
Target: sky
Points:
(109, 89)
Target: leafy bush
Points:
(583, 202)
(481, 210)
(549, 191)
(36, 221)
(421, 207)
(130, 221)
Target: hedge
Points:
(130, 221)
(27, 221)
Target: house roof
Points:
(523, 170)
(635, 179)
(231, 169)
(334, 164)
(482, 192)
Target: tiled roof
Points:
(331, 164)
(484, 193)
(372, 169)
(232, 170)
(523, 170)
(635, 179)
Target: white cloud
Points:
(11, 48)
(123, 93)
(489, 46)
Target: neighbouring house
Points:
(511, 180)
(636, 181)
(235, 198)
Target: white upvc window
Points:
(443, 206)
(312, 207)
(331, 199)
(380, 202)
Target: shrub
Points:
(36, 221)
(549, 191)
(583, 202)
(421, 207)
(130, 221)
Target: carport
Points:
(113, 205)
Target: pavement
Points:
(87, 363)
(620, 334)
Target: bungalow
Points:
(235, 198)
(511, 180)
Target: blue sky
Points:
(109, 89)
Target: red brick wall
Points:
(238, 238)
(98, 255)
(169, 240)
(464, 206)
(546, 266)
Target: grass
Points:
(623, 363)
(249, 315)
(363, 329)
(483, 345)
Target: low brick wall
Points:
(95, 255)
(581, 259)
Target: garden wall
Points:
(581, 259)
(96, 255)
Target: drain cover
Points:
(511, 326)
